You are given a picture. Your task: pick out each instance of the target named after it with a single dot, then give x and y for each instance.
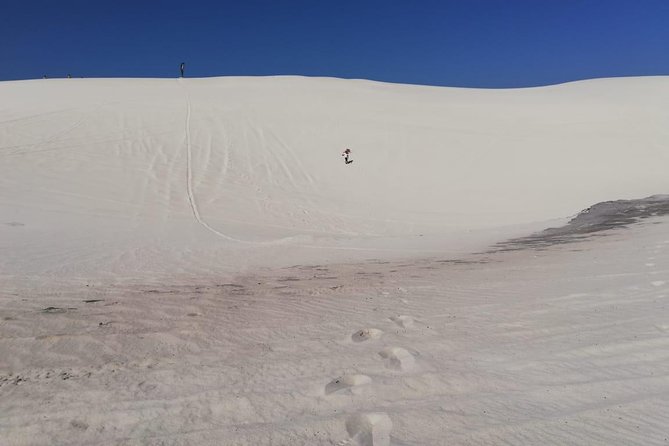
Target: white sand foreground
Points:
(564, 346)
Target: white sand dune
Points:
(191, 262)
(119, 177)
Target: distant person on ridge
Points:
(182, 67)
(346, 154)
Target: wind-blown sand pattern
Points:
(190, 262)
(563, 346)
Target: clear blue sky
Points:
(474, 43)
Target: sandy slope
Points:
(177, 264)
(112, 177)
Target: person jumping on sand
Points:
(346, 154)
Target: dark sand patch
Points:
(592, 222)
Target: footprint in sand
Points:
(658, 283)
(398, 358)
(353, 384)
(366, 334)
(369, 429)
(403, 321)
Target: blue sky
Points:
(472, 43)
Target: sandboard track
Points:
(189, 181)
(189, 175)
(193, 202)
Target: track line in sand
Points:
(198, 217)
(193, 203)
(189, 181)
(189, 176)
